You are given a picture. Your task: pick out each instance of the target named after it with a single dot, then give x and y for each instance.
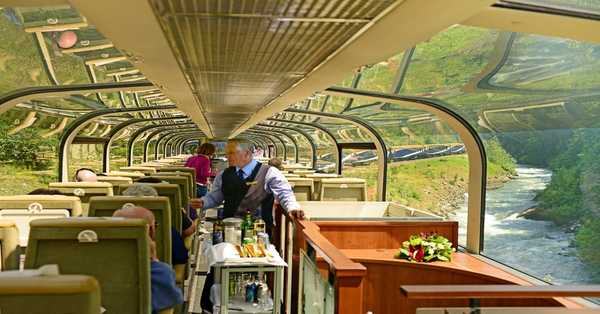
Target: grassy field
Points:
(436, 184)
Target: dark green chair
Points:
(172, 192)
(113, 250)
(175, 169)
(57, 294)
(9, 243)
(105, 206)
(183, 183)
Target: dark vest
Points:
(236, 196)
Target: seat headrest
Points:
(80, 185)
(114, 179)
(343, 180)
(72, 203)
(88, 222)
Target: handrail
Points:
(497, 291)
(339, 264)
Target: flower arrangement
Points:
(426, 247)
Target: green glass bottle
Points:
(248, 232)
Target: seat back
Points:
(105, 206)
(190, 178)
(73, 294)
(343, 189)
(172, 192)
(317, 177)
(22, 209)
(115, 181)
(143, 169)
(184, 187)
(9, 243)
(113, 250)
(303, 188)
(192, 171)
(128, 174)
(83, 190)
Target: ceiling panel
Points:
(249, 52)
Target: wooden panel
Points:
(497, 291)
(385, 276)
(382, 234)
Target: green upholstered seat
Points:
(9, 243)
(55, 294)
(184, 186)
(24, 208)
(172, 192)
(343, 189)
(115, 181)
(105, 206)
(113, 250)
(83, 190)
(177, 169)
(303, 188)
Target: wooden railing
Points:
(497, 291)
(291, 236)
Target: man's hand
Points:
(297, 214)
(196, 203)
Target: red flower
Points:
(416, 253)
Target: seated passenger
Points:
(188, 226)
(85, 175)
(44, 191)
(179, 254)
(164, 291)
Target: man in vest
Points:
(246, 184)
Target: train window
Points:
(381, 76)
(362, 164)
(584, 6)
(531, 100)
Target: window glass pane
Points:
(589, 6)
(380, 76)
(361, 163)
(28, 139)
(33, 54)
(532, 101)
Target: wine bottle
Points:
(248, 231)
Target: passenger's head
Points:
(207, 149)
(46, 192)
(239, 152)
(140, 213)
(85, 175)
(140, 189)
(276, 162)
(149, 180)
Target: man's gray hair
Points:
(244, 144)
(140, 189)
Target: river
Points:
(538, 248)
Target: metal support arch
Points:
(336, 148)
(473, 144)
(25, 94)
(267, 137)
(274, 136)
(161, 140)
(168, 146)
(136, 135)
(313, 147)
(155, 133)
(185, 142)
(81, 122)
(375, 136)
(291, 138)
(115, 131)
(278, 136)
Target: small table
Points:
(224, 263)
